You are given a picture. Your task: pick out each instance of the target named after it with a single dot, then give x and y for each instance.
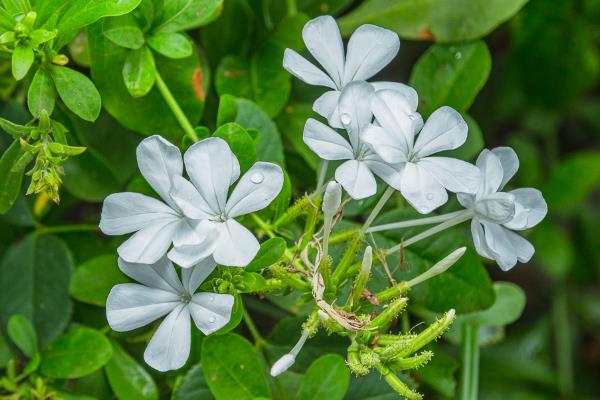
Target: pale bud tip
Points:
(283, 364)
(332, 198)
(451, 313)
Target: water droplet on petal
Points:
(211, 298)
(412, 117)
(458, 55)
(346, 119)
(429, 196)
(257, 177)
(212, 320)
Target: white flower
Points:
(424, 179)
(156, 224)
(213, 168)
(498, 213)
(161, 292)
(370, 49)
(356, 174)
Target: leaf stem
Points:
(377, 209)
(44, 230)
(259, 341)
(563, 343)
(469, 384)
(292, 8)
(263, 225)
(184, 122)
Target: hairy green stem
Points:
(184, 122)
(263, 225)
(469, 381)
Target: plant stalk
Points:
(469, 383)
(184, 122)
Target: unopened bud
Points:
(283, 364)
(60, 59)
(438, 268)
(332, 199)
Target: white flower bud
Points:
(332, 199)
(283, 364)
(367, 261)
(440, 267)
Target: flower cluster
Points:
(195, 227)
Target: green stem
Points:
(292, 8)
(44, 230)
(377, 209)
(184, 122)
(562, 343)
(263, 225)
(470, 363)
(259, 341)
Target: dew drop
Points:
(211, 298)
(212, 320)
(429, 196)
(346, 119)
(412, 117)
(458, 55)
(257, 178)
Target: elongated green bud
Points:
(440, 267)
(390, 313)
(360, 283)
(414, 362)
(348, 257)
(396, 384)
(391, 351)
(431, 333)
(290, 279)
(343, 236)
(392, 292)
(388, 340)
(354, 363)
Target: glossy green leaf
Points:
(77, 353)
(292, 120)
(12, 168)
(237, 313)
(326, 378)
(227, 109)
(80, 13)
(87, 178)
(92, 280)
(128, 379)
(233, 369)
(139, 72)
(77, 92)
(270, 252)
(451, 75)
(240, 142)
(439, 20)
(268, 146)
(192, 386)
(22, 333)
(180, 15)
(123, 31)
(507, 308)
(171, 44)
(370, 387)
(34, 280)
(41, 94)
(439, 373)
(22, 59)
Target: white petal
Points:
(530, 209)
(408, 92)
(479, 239)
(522, 248)
(197, 246)
(193, 277)
(327, 143)
(190, 201)
(147, 245)
(159, 161)
(256, 189)
(390, 173)
(510, 163)
(160, 275)
(129, 212)
(387, 145)
(445, 129)
(467, 200)
(322, 38)
(421, 189)
(236, 246)
(211, 311)
(455, 175)
(500, 245)
(491, 172)
(496, 207)
(302, 69)
(327, 106)
(355, 109)
(169, 348)
(394, 113)
(370, 49)
(357, 179)
(130, 306)
(212, 167)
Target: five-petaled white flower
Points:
(497, 213)
(162, 292)
(213, 168)
(370, 49)
(424, 178)
(356, 174)
(156, 224)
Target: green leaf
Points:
(233, 369)
(192, 386)
(92, 280)
(554, 250)
(41, 94)
(15, 130)
(326, 378)
(181, 15)
(237, 313)
(12, 168)
(123, 31)
(171, 44)
(451, 75)
(439, 20)
(5, 355)
(22, 59)
(77, 92)
(269, 146)
(34, 281)
(269, 253)
(40, 36)
(77, 353)
(563, 192)
(128, 379)
(186, 78)
(507, 308)
(292, 121)
(87, 178)
(81, 13)
(139, 72)
(227, 109)
(240, 142)
(370, 387)
(439, 373)
(22, 333)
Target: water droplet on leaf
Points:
(458, 55)
(257, 177)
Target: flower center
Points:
(222, 217)
(186, 298)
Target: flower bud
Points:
(440, 267)
(332, 199)
(283, 364)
